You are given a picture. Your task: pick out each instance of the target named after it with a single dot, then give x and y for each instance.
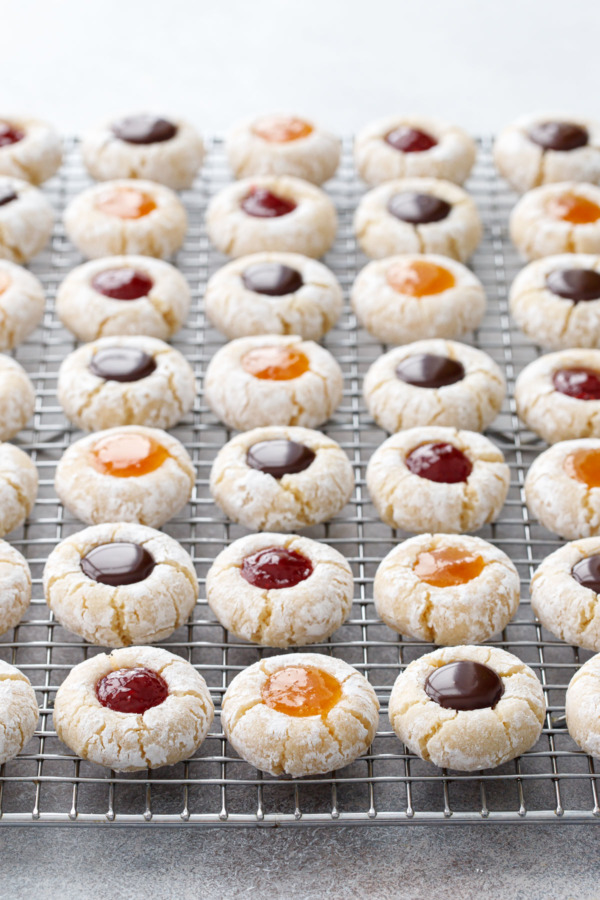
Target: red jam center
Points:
(122, 284)
(132, 690)
(581, 383)
(264, 204)
(275, 568)
(10, 134)
(443, 463)
(410, 140)
(300, 691)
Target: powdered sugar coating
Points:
(18, 711)
(452, 157)
(305, 613)
(467, 740)
(465, 613)
(564, 606)
(405, 500)
(15, 586)
(141, 613)
(562, 504)
(17, 397)
(91, 315)
(314, 157)
(527, 165)
(263, 503)
(242, 401)
(159, 400)
(126, 742)
(22, 302)
(547, 411)
(381, 234)
(239, 312)
(545, 317)
(535, 232)
(280, 744)
(37, 156)
(309, 229)
(18, 487)
(471, 403)
(96, 233)
(25, 223)
(173, 162)
(396, 318)
(151, 499)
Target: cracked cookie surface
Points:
(36, 156)
(22, 302)
(119, 615)
(161, 736)
(90, 315)
(303, 613)
(159, 399)
(18, 487)
(243, 401)
(18, 711)
(17, 397)
(537, 232)
(472, 402)
(95, 232)
(468, 739)
(26, 220)
(582, 704)
(15, 586)
(283, 744)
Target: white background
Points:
(476, 62)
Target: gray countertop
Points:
(383, 863)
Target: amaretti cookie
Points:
(269, 212)
(18, 711)
(29, 149)
(413, 296)
(417, 215)
(137, 708)
(273, 380)
(434, 382)
(282, 145)
(447, 589)
(18, 487)
(15, 587)
(123, 295)
(125, 381)
(413, 146)
(562, 488)
(163, 149)
(538, 148)
(556, 301)
(557, 218)
(437, 479)
(280, 590)
(17, 397)
(125, 474)
(127, 215)
(467, 708)
(300, 714)
(120, 584)
(564, 593)
(26, 220)
(558, 395)
(582, 705)
(22, 304)
(273, 293)
(281, 479)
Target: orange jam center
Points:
(447, 566)
(574, 209)
(126, 203)
(301, 691)
(275, 363)
(584, 465)
(4, 281)
(281, 129)
(127, 455)
(419, 278)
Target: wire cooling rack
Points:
(47, 784)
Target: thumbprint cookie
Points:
(15, 586)
(17, 397)
(26, 220)
(582, 704)
(22, 304)
(18, 487)
(18, 711)
(557, 218)
(29, 149)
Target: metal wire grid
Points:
(46, 784)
